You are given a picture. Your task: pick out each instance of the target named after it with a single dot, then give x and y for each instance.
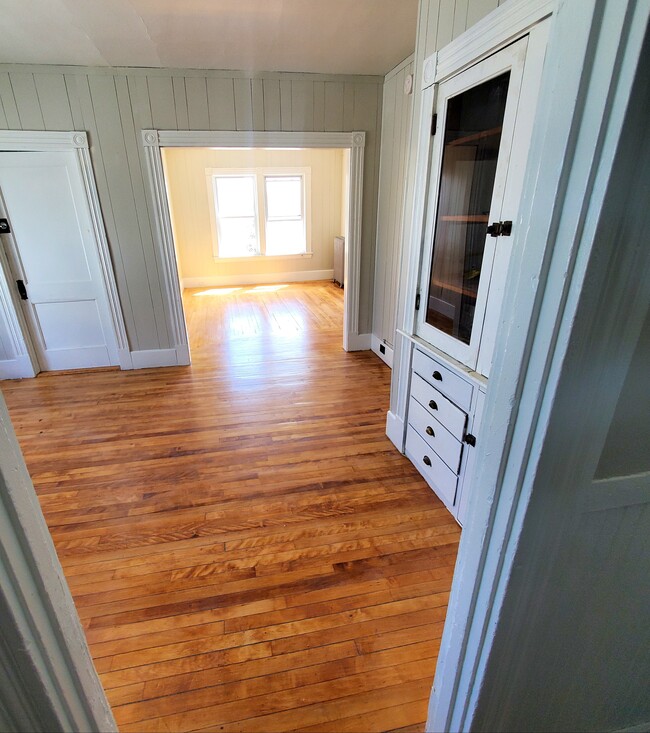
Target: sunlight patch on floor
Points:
(216, 291)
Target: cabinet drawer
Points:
(436, 473)
(439, 406)
(436, 435)
(443, 379)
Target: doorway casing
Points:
(353, 142)
(26, 362)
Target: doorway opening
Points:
(156, 143)
(257, 233)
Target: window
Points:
(260, 213)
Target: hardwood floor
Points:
(246, 549)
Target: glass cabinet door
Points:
(471, 155)
(472, 135)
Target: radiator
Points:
(339, 260)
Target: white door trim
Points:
(47, 677)
(568, 173)
(154, 140)
(77, 141)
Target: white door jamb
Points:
(154, 140)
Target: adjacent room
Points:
(259, 235)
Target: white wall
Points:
(185, 173)
(396, 131)
(113, 105)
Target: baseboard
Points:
(395, 430)
(214, 281)
(18, 368)
(124, 359)
(154, 358)
(386, 355)
(359, 342)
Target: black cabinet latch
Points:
(417, 302)
(470, 439)
(500, 229)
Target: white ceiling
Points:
(327, 36)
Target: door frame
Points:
(154, 140)
(20, 141)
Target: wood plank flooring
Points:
(246, 549)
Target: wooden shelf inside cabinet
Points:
(454, 288)
(480, 218)
(476, 136)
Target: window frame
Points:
(261, 209)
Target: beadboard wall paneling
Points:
(439, 22)
(113, 105)
(396, 125)
(185, 173)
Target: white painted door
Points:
(53, 251)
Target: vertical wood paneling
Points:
(29, 108)
(243, 104)
(478, 9)
(365, 107)
(161, 100)
(140, 102)
(333, 106)
(197, 103)
(348, 107)
(180, 102)
(285, 105)
(9, 107)
(53, 101)
(460, 17)
(302, 105)
(114, 107)
(103, 99)
(135, 159)
(319, 106)
(272, 113)
(79, 84)
(445, 30)
(257, 95)
(73, 100)
(396, 125)
(221, 104)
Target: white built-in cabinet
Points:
(478, 110)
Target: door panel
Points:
(477, 111)
(53, 250)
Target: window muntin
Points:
(260, 212)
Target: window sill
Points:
(257, 258)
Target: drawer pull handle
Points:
(429, 431)
(437, 375)
(427, 460)
(433, 404)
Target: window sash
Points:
(261, 218)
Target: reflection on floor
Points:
(246, 549)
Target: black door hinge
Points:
(500, 229)
(417, 302)
(434, 124)
(4, 227)
(470, 439)
(22, 290)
